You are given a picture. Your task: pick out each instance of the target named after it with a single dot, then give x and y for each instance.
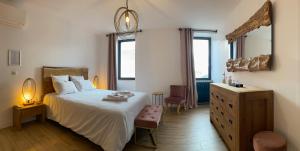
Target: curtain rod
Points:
(203, 30)
(130, 32)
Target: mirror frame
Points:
(263, 17)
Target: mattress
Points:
(106, 123)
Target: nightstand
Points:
(22, 112)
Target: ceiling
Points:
(99, 14)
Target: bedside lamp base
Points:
(28, 103)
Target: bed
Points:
(106, 123)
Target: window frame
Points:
(209, 56)
(119, 59)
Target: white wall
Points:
(219, 48)
(48, 39)
(158, 60)
(126, 85)
(284, 79)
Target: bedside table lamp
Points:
(95, 81)
(28, 91)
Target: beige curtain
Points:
(240, 46)
(112, 71)
(186, 41)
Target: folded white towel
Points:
(124, 93)
(115, 98)
(119, 96)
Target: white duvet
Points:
(108, 124)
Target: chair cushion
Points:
(178, 91)
(149, 117)
(269, 141)
(175, 100)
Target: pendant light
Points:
(126, 20)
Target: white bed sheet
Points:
(108, 124)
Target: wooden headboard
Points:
(48, 71)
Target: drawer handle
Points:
(217, 108)
(222, 126)
(217, 119)
(230, 137)
(222, 100)
(230, 105)
(222, 113)
(217, 97)
(230, 121)
(212, 94)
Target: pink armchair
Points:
(177, 96)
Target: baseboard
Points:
(10, 124)
(5, 125)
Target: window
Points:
(231, 51)
(126, 59)
(202, 59)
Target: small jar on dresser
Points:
(239, 113)
(22, 112)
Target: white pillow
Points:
(60, 78)
(64, 87)
(84, 85)
(77, 78)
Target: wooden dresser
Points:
(239, 113)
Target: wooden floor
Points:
(189, 131)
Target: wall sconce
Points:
(95, 81)
(28, 91)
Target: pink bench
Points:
(149, 118)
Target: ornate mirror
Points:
(252, 43)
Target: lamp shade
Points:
(95, 81)
(29, 89)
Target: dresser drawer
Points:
(212, 113)
(212, 103)
(215, 94)
(222, 112)
(230, 121)
(212, 91)
(230, 140)
(217, 109)
(230, 106)
(223, 128)
(32, 111)
(218, 125)
(217, 118)
(228, 102)
(228, 135)
(224, 99)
